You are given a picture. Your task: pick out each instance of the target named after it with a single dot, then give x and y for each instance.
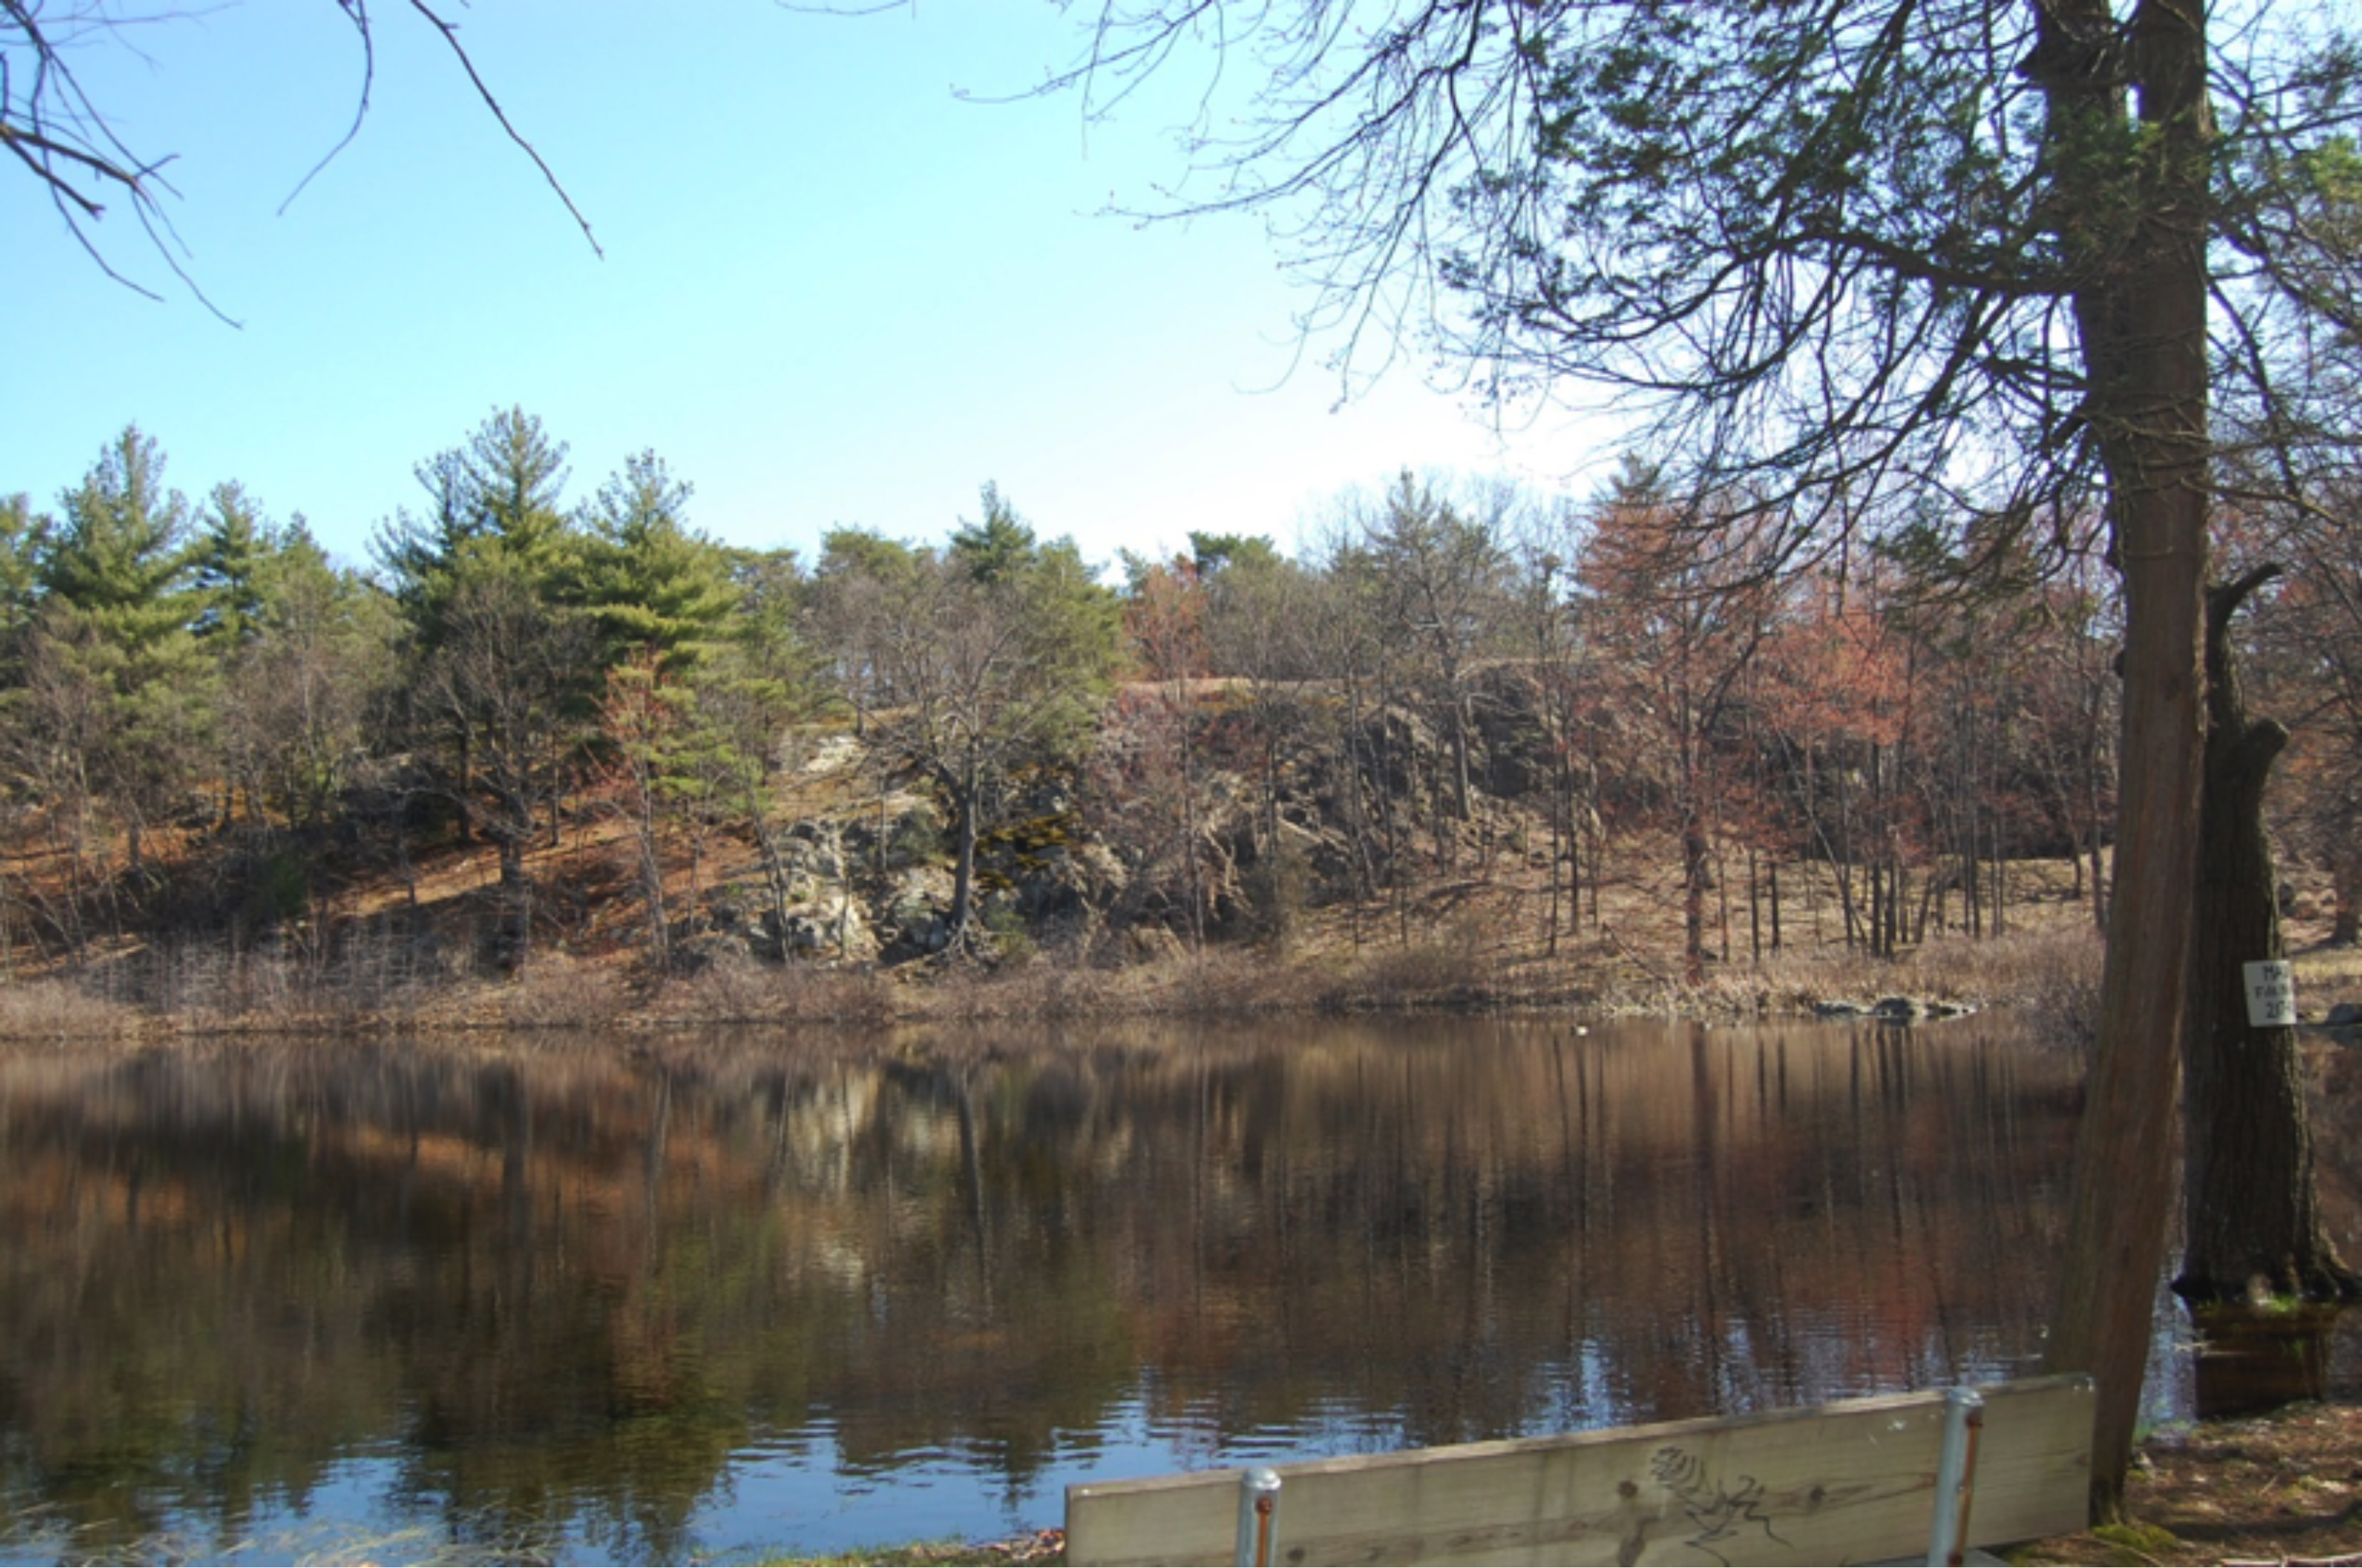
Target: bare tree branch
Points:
(451, 36)
(59, 135)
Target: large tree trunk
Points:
(2250, 1208)
(962, 791)
(515, 900)
(2122, 1191)
(2140, 313)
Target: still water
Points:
(610, 1300)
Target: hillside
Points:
(1097, 890)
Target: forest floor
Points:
(2283, 1487)
(1485, 933)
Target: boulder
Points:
(915, 915)
(824, 931)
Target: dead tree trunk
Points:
(2250, 1210)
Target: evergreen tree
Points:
(504, 693)
(417, 551)
(515, 480)
(480, 577)
(117, 554)
(117, 613)
(225, 569)
(997, 547)
(227, 563)
(24, 535)
(767, 678)
(494, 504)
(644, 577)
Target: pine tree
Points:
(494, 505)
(227, 563)
(117, 611)
(23, 537)
(515, 476)
(481, 580)
(645, 578)
(22, 532)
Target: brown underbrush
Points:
(2053, 971)
(1485, 933)
(1464, 965)
(57, 1011)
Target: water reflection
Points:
(2251, 1358)
(649, 1302)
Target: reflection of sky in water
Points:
(796, 1490)
(1180, 1294)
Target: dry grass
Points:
(561, 991)
(1475, 936)
(1463, 964)
(736, 990)
(57, 1011)
(2054, 972)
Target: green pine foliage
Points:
(515, 476)
(117, 556)
(645, 578)
(227, 565)
(134, 695)
(22, 535)
(494, 508)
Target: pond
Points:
(644, 1301)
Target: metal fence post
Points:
(1258, 1518)
(1955, 1476)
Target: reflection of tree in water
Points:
(572, 1284)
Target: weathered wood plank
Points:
(1843, 1482)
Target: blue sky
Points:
(833, 292)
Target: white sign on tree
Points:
(2271, 994)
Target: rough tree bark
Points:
(964, 789)
(2250, 1213)
(2141, 319)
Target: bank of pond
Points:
(592, 1300)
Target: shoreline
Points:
(2282, 1487)
(201, 997)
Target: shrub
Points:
(57, 1010)
(556, 992)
